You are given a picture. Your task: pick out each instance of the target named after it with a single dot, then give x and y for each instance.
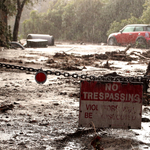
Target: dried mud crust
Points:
(45, 117)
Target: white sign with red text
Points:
(110, 104)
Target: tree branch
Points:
(3, 1)
(23, 3)
(18, 3)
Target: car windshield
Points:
(128, 29)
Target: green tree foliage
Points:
(15, 7)
(116, 26)
(19, 5)
(143, 18)
(85, 20)
(146, 13)
(32, 23)
(118, 10)
(72, 20)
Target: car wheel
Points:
(112, 41)
(141, 43)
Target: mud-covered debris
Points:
(66, 66)
(44, 124)
(145, 120)
(63, 93)
(119, 55)
(33, 121)
(8, 124)
(60, 55)
(84, 67)
(146, 99)
(70, 67)
(140, 55)
(96, 56)
(96, 143)
(106, 65)
(22, 144)
(148, 69)
(127, 48)
(112, 55)
(15, 103)
(146, 54)
(113, 74)
(70, 62)
(146, 110)
(74, 95)
(77, 134)
(55, 104)
(4, 108)
(50, 61)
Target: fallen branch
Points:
(127, 48)
(6, 107)
(137, 54)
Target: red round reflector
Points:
(40, 77)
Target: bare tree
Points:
(20, 5)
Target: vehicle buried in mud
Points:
(134, 34)
(34, 41)
(39, 40)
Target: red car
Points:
(134, 34)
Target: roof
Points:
(138, 25)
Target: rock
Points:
(74, 95)
(44, 124)
(50, 61)
(146, 110)
(56, 104)
(145, 120)
(15, 103)
(63, 93)
(8, 124)
(33, 121)
(23, 145)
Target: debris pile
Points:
(66, 61)
(4, 108)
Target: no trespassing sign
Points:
(110, 104)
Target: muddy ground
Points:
(45, 116)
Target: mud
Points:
(45, 117)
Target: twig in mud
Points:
(107, 65)
(96, 141)
(127, 48)
(148, 69)
(94, 127)
(141, 55)
(132, 147)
